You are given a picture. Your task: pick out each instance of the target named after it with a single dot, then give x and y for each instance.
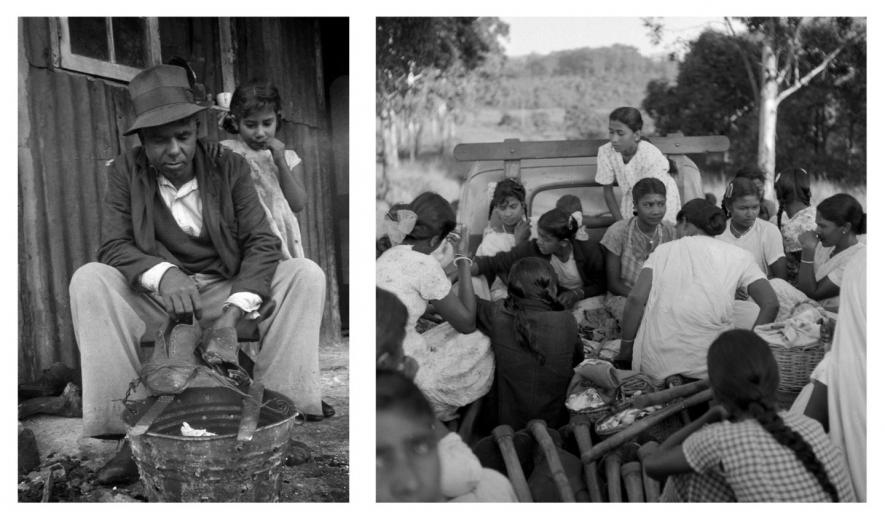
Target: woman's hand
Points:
(523, 232)
(808, 240)
(568, 298)
(458, 238)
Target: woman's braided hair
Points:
(530, 279)
(791, 184)
(744, 375)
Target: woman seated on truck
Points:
(627, 158)
(507, 227)
(749, 451)
(840, 234)
(536, 345)
(628, 243)
(455, 361)
(579, 265)
(684, 297)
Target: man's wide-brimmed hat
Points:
(161, 95)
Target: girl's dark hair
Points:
(704, 215)
(842, 208)
(504, 189)
(391, 317)
(744, 376)
(628, 116)
(395, 392)
(569, 204)
(251, 97)
(648, 186)
(791, 184)
(738, 187)
(435, 218)
(750, 172)
(530, 279)
(559, 224)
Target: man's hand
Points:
(229, 318)
(179, 294)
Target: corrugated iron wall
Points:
(70, 125)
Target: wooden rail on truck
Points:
(512, 151)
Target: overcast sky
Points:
(543, 35)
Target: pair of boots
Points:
(184, 355)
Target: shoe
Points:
(120, 470)
(328, 412)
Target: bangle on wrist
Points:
(811, 262)
(627, 340)
(462, 257)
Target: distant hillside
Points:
(598, 79)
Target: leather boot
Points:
(120, 470)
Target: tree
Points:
(823, 98)
(419, 64)
(789, 60)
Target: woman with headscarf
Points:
(684, 297)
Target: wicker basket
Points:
(796, 364)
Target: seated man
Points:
(183, 232)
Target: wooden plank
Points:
(513, 149)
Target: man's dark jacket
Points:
(588, 258)
(233, 219)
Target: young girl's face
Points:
(258, 128)
(744, 211)
(407, 467)
(651, 208)
(510, 210)
(622, 138)
(547, 243)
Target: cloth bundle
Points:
(801, 330)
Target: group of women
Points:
(677, 277)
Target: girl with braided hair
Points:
(749, 451)
(536, 345)
(795, 214)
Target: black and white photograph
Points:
(621, 259)
(183, 279)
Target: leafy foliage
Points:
(821, 126)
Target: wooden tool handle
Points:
(639, 426)
(613, 477)
(664, 396)
(632, 474)
(539, 431)
(504, 436)
(581, 429)
(651, 486)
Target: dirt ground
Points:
(70, 461)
